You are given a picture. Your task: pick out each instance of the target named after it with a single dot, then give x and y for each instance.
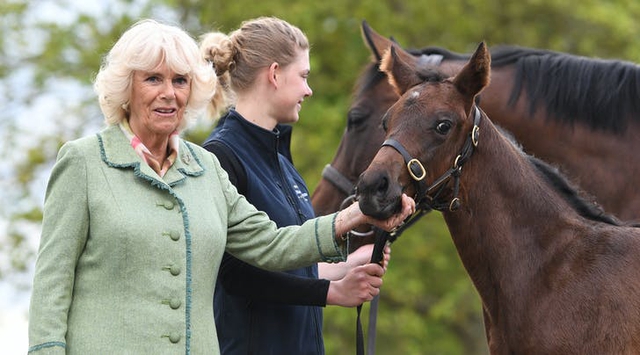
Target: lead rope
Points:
(377, 256)
(342, 183)
(382, 237)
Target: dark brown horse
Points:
(581, 115)
(555, 275)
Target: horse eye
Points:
(385, 118)
(356, 116)
(444, 127)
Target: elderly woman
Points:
(136, 219)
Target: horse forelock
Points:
(431, 74)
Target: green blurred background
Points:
(428, 304)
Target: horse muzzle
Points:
(378, 195)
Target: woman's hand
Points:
(408, 208)
(352, 217)
(359, 285)
(362, 256)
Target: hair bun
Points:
(218, 49)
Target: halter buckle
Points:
(454, 205)
(455, 162)
(419, 174)
(475, 135)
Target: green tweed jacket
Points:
(128, 260)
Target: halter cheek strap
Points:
(414, 167)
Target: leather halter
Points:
(337, 179)
(425, 198)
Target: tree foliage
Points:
(428, 304)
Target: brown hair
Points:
(239, 56)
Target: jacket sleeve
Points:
(253, 237)
(64, 233)
(242, 279)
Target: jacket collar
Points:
(116, 151)
(264, 140)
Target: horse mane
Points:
(577, 198)
(571, 194)
(602, 94)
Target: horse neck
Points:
(505, 225)
(602, 162)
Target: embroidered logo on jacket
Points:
(301, 195)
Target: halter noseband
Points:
(417, 171)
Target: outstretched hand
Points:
(393, 222)
(352, 217)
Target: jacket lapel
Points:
(117, 152)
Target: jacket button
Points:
(175, 303)
(174, 235)
(174, 270)
(174, 337)
(166, 204)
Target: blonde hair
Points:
(143, 47)
(239, 56)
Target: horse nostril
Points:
(374, 185)
(383, 185)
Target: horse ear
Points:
(475, 75)
(400, 67)
(377, 44)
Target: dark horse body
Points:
(582, 115)
(555, 276)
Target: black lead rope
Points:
(377, 257)
(382, 237)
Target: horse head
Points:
(426, 131)
(372, 97)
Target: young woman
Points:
(264, 65)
